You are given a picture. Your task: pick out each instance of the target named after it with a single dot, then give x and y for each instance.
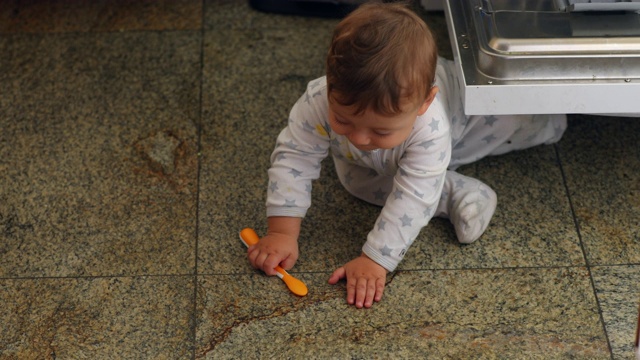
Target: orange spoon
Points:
(249, 237)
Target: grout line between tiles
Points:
(89, 277)
(418, 270)
(582, 247)
(92, 33)
(193, 318)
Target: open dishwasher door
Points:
(546, 56)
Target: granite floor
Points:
(134, 143)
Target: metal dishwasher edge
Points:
(540, 75)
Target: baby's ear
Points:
(427, 102)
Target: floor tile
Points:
(234, 15)
(532, 225)
(41, 16)
(533, 314)
(619, 297)
(98, 154)
(251, 81)
(96, 318)
(600, 156)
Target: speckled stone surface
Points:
(618, 293)
(98, 318)
(601, 158)
(102, 15)
(510, 314)
(134, 147)
(80, 191)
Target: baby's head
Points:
(380, 74)
(382, 56)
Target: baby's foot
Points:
(469, 204)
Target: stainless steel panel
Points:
(544, 44)
(533, 48)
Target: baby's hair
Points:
(382, 56)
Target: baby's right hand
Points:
(272, 250)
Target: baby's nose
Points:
(359, 138)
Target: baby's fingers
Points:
(365, 290)
(263, 261)
(371, 293)
(340, 273)
(379, 289)
(270, 264)
(253, 255)
(351, 290)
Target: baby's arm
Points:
(365, 281)
(278, 247)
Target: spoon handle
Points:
(249, 237)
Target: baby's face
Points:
(370, 131)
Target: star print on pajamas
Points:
(321, 130)
(489, 138)
(291, 145)
(385, 251)
(379, 194)
(443, 155)
(434, 124)
(295, 173)
(308, 127)
(398, 194)
(273, 186)
(406, 220)
(315, 83)
(484, 193)
(427, 144)
(490, 120)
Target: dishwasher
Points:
(530, 56)
(545, 56)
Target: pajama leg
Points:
(478, 136)
(468, 203)
(364, 183)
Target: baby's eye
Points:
(341, 122)
(382, 132)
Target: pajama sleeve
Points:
(417, 186)
(300, 148)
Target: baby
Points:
(390, 113)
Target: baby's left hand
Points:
(365, 281)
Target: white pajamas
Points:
(406, 180)
(475, 136)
